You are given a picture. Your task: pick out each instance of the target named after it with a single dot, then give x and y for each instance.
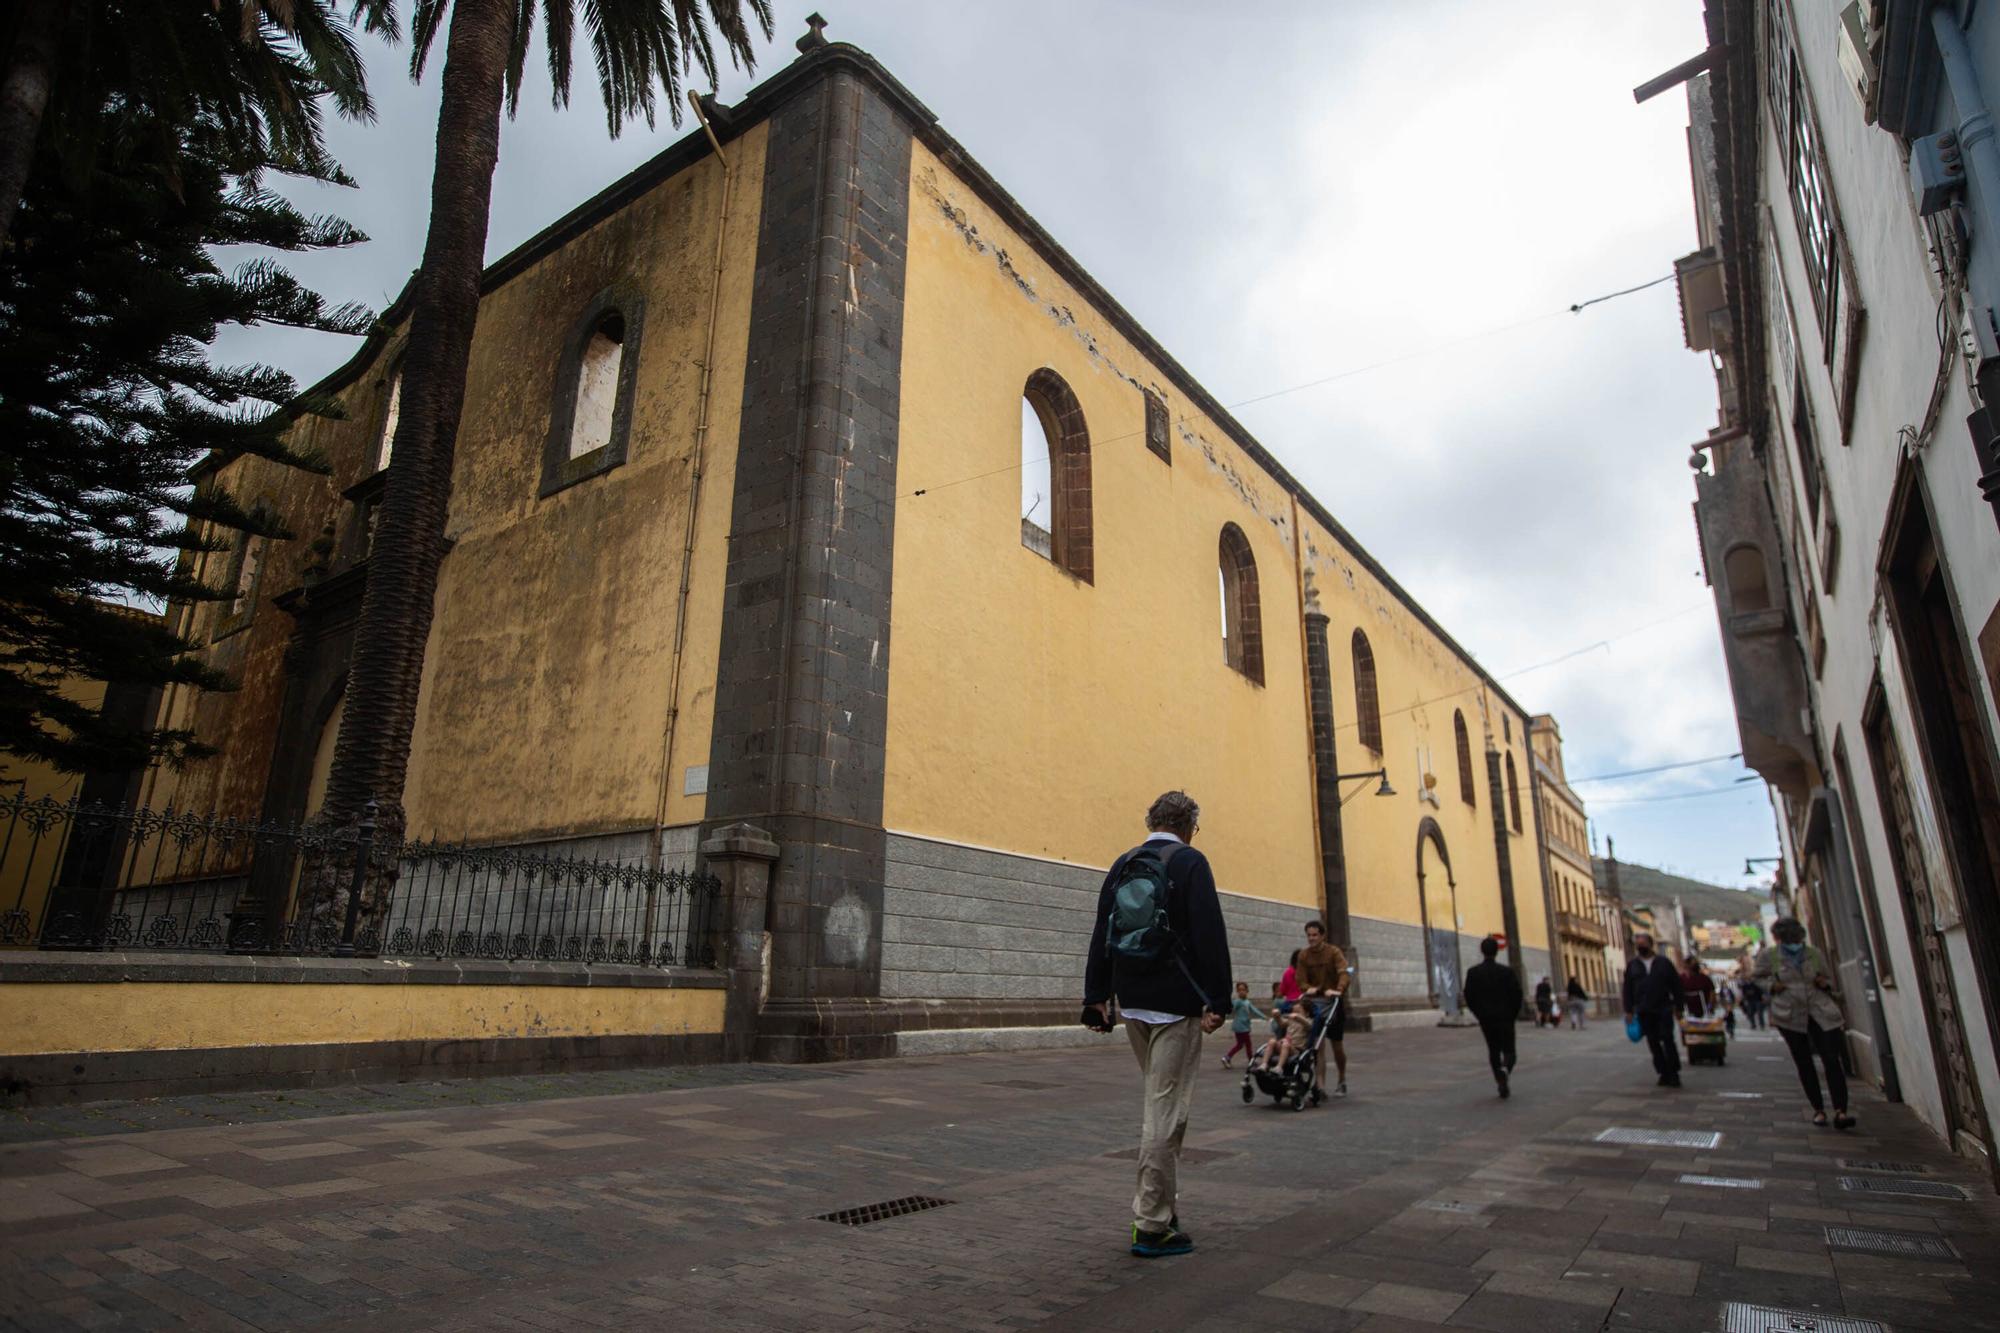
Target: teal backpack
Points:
(1137, 929)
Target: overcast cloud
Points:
(1284, 194)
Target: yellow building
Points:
(734, 539)
(1580, 934)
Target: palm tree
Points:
(637, 44)
(256, 68)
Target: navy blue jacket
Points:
(1195, 913)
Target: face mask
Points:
(1793, 951)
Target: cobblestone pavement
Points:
(1421, 1201)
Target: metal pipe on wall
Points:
(698, 462)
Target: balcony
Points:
(1582, 928)
(1704, 305)
(1767, 678)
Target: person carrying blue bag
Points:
(1653, 999)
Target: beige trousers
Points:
(1169, 1054)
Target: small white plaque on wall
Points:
(697, 780)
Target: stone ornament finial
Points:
(815, 38)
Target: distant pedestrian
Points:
(1243, 1012)
(1545, 1004)
(1726, 996)
(1493, 994)
(1653, 995)
(1579, 1002)
(1753, 1003)
(1160, 951)
(1807, 1011)
(1697, 988)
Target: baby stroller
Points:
(1297, 1081)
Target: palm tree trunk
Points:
(371, 757)
(24, 95)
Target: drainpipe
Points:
(698, 463)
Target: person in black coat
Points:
(1653, 993)
(1168, 1005)
(1493, 994)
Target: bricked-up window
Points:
(1367, 707)
(597, 386)
(392, 406)
(1513, 796)
(1242, 627)
(1465, 787)
(590, 423)
(1059, 419)
(1749, 585)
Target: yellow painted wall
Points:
(544, 702)
(1037, 714)
(44, 1018)
(1030, 711)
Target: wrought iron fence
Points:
(90, 877)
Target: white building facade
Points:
(1848, 499)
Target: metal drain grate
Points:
(1724, 1182)
(1742, 1096)
(1740, 1318)
(1884, 1168)
(1890, 1242)
(881, 1212)
(1661, 1138)
(1924, 1189)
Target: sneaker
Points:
(1673, 1080)
(1503, 1086)
(1159, 1244)
(1340, 1090)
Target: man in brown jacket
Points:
(1323, 975)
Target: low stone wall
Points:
(84, 1027)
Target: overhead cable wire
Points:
(1612, 296)
(1660, 768)
(1678, 796)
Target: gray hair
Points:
(1174, 812)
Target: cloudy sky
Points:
(1391, 205)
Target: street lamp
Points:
(1383, 773)
(1750, 863)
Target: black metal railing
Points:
(88, 877)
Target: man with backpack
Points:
(1160, 951)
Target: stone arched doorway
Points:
(1440, 942)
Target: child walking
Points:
(1242, 1014)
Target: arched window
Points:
(1367, 708)
(1513, 796)
(392, 408)
(1052, 428)
(1242, 630)
(1465, 788)
(1749, 590)
(590, 422)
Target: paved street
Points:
(690, 1196)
